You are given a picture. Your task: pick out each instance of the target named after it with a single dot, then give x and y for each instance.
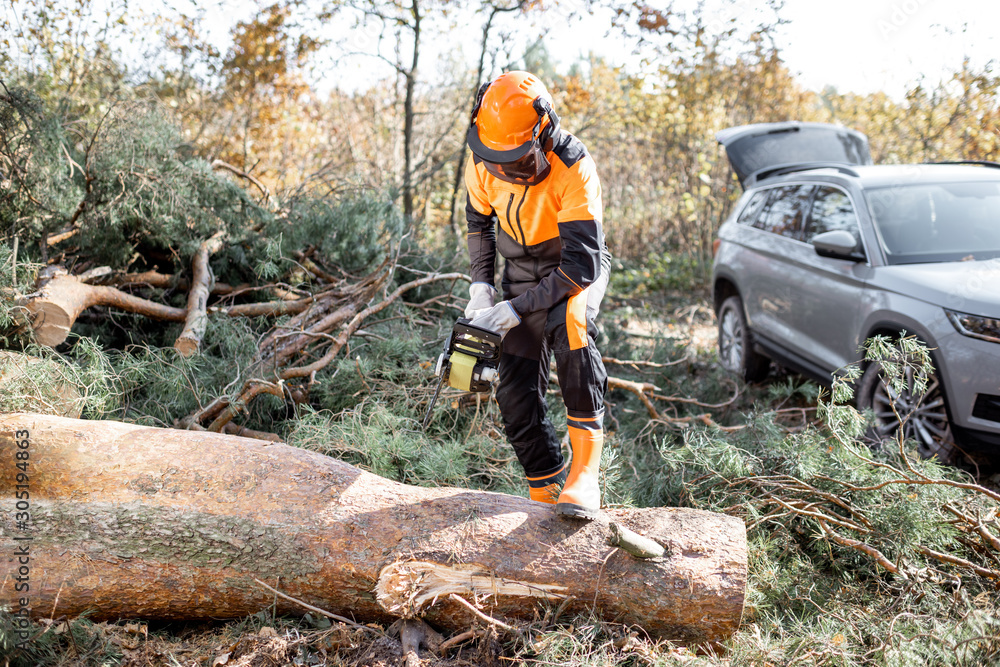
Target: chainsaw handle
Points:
(484, 339)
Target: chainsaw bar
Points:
(427, 417)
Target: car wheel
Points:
(736, 352)
(923, 418)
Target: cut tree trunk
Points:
(61, 298)
(136, 522)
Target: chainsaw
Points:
(469, 361)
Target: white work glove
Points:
(499, 319)
(480, 298)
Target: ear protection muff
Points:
(479, 102)
(550, 134)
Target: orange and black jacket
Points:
(549, 233)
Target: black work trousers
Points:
(567, 331)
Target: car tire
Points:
(736, 353)
(924, 418)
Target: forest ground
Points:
(681, 321)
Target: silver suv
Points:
(825, 250)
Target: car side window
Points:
(750, 212)
(832, 210)
(785, 211)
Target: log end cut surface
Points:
(51, 321)
(187, 346)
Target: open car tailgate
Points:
(755, 150)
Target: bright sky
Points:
(853, 45)
(867, 45)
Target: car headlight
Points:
(976, 326)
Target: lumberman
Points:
(534, 196)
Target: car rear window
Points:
(752, 209)
(783, 211)
(937, 222)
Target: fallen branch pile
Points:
(292, 354)
(325, 312)
(879, 505)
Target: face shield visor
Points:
(526, 164)
(530, 169)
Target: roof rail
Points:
(981, 163)
(780, 169)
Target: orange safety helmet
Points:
(512, 126)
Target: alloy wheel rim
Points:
(922, 417)
(731, 340)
